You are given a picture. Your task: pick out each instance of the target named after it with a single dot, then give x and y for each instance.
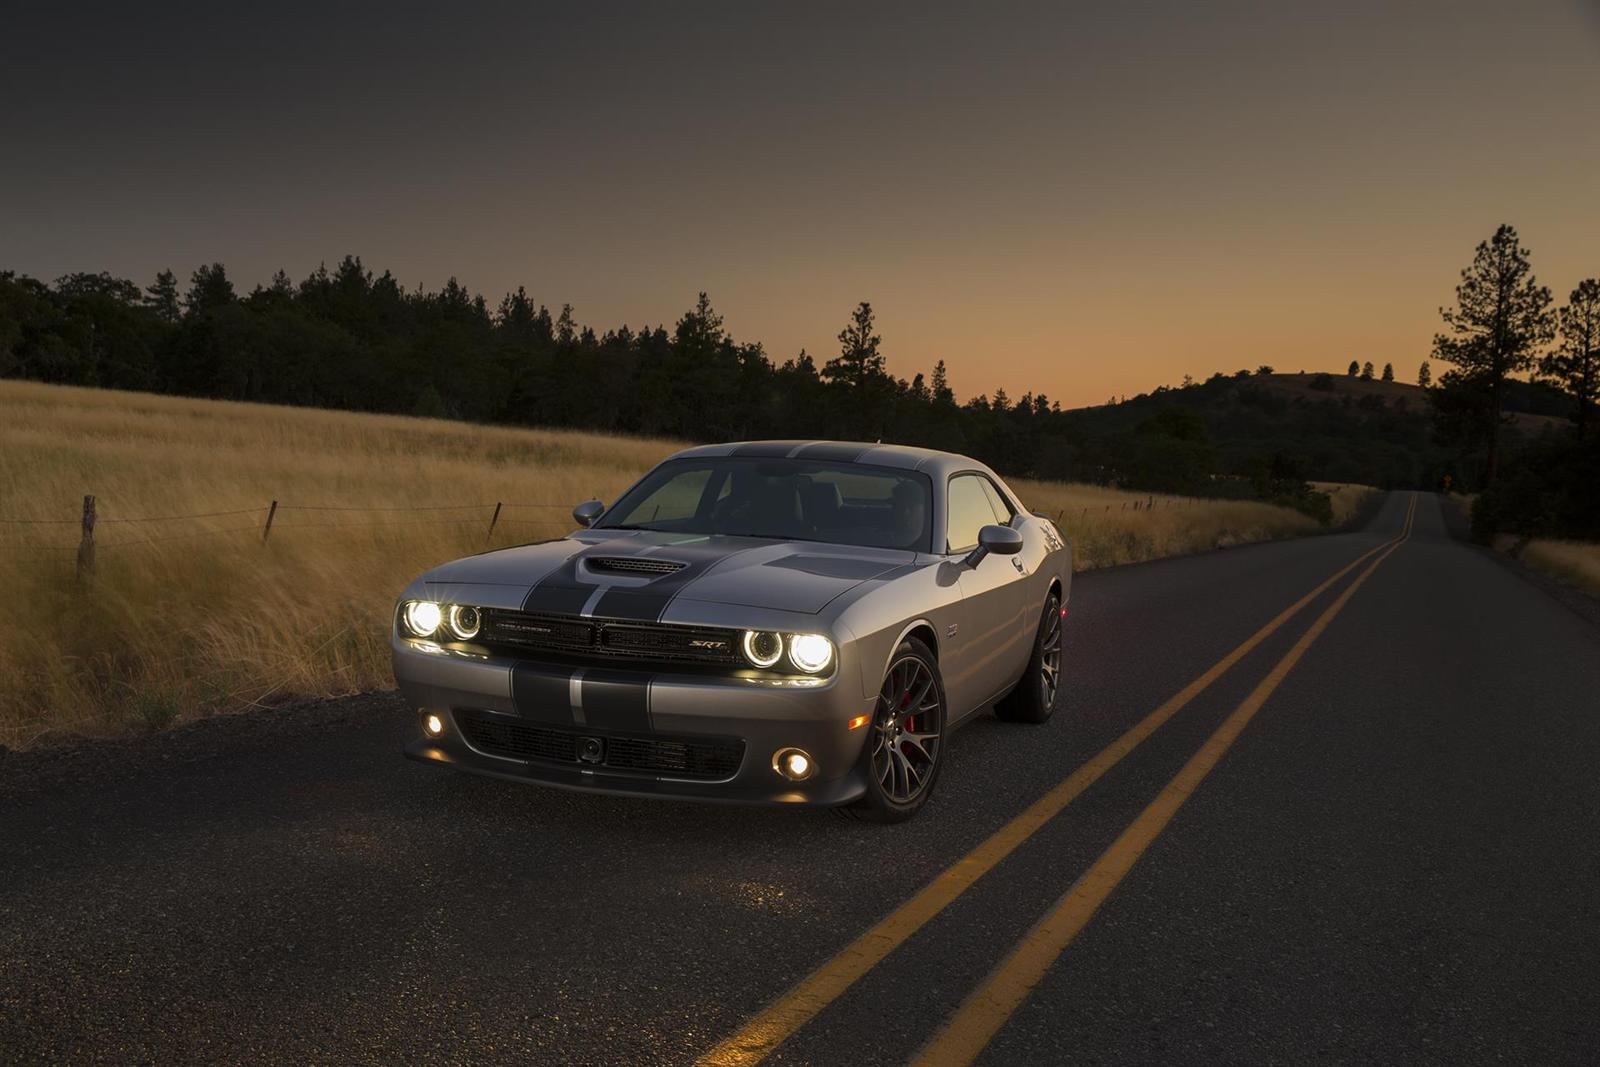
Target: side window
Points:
(968, 510)
(1002, 510)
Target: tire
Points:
(902, 757)
(1038, 692)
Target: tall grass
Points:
(190, 617)
(1109, 526)
(1347, 499)
(1574, 562)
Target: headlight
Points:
(422, 617)
(464, 621)
(762, 647)
(810, 652)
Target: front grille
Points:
(599, 639)
(534, 631)
(500, 737)
(634, 565)
(703, 759)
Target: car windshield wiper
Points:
(781, 537)
(626, 526)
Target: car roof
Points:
(906, 457)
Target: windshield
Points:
(787, 499)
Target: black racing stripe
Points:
(634, 605)
(832, 452)
(542, 693)
(765, 449)
(616, 700)
(557, 599)
(559, 592)
(647, 603)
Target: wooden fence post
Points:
(86, 545)
(492, 520)
(266, 531)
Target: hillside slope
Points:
(1321, 427)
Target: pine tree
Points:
(209, 288)
(1425, 375)
(1355, 368)
(163, 297)
(1501, 319)
(515, 315)
(1574, 365)
(859, 362)
(1388, 372)
(942, 393)
(1366, 371)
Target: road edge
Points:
(1580, 603)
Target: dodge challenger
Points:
(777, 622)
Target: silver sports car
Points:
(779, 622)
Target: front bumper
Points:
(615, 705)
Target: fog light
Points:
(793, 763)
(434, 725)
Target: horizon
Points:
(1083, 204)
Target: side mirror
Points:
(1001, 540)
(588, 513)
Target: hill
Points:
(1321, 427)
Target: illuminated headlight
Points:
(762, 647)
(810, 652)
(464, 621)
(422, 617)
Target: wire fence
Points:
(273, 517)
(345, 517)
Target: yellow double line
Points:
(983, 1013)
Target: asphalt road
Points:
(1397, 860)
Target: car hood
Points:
(633, 574)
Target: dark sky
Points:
(1086, 199)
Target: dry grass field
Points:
(1574, 562)
(1347, 499)
(191, 616)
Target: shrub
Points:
(1547, 490)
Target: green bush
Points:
(1549, 489)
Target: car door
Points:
(986, 654)
(1023, 621)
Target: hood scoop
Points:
(633, 565)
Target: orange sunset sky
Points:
(1084, 200)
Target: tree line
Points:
(345, 338)
(1504, 325)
